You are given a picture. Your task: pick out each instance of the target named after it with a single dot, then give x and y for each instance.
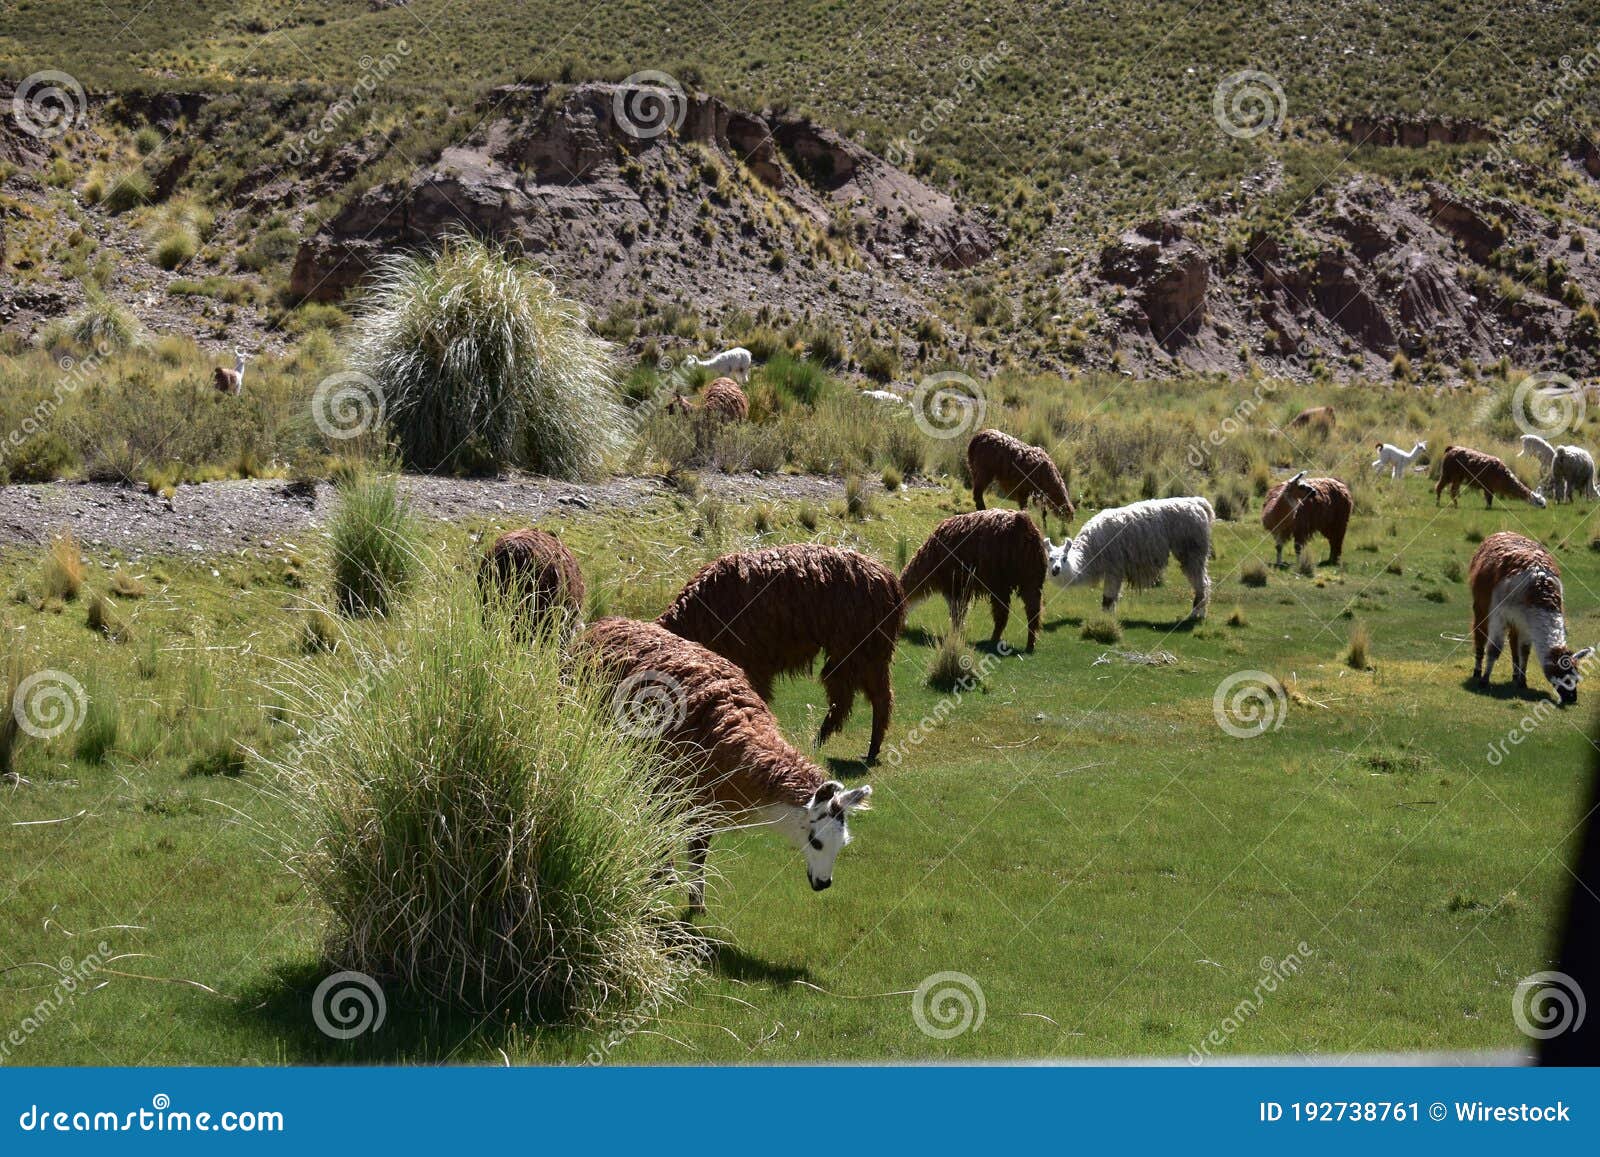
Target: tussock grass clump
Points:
(377, 545)
(102, 721)
(952, 662)
(483, 365)
(1101, 628)
(1253, 573)
(1238, 618)
(1358, 655)
(1306, 563)
(63, 569)
(127, 586)
(103, 619)
(479, 828)
(102, 325)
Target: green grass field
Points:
(1080, 837)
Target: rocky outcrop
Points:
(1411, 132)
(1167, 275)
(581, 177)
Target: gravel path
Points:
(237, 515)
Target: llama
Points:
(1572, 472)
(1536, 447)
(726, 742)
(229, 381)
(734, 363)
(1019, 471)
(1317, 417)
(1484, 472)
(722, 400)
(1396, 460)
(1303, 507)
(537, 571)
(887, 396)
(1132, 543)
(774, 611)
(1516, 598)
(994, 552)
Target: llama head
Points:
(1060, 565)
(827, 828)
(1537, 498)
(1564, 669)
(679, 405)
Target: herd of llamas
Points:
(747, 618)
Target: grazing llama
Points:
(1475, 469)
(229, 381)
(1320, 418)
(1572, 472)
(1019, 471)
(734, 363)
(724, 739)
(1132, 544)
(774, 611)
(1395, 460)
(1302, 507)
(1517, 599)
(721, 401)
(536, 571)
(992, 552)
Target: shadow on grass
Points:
(1165, 625)
(920, 637)
(734, 963)
(1054, 625)
(842, 769)
(1509, 691)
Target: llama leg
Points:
(1480, 640)
(1194, 569)
(1335, 545)
(699, 847)
(841, 699)
(880, 693)
(1110, 593)
(1031, 602)
(1519, 652)
(1438, 490)
(980, 483)
(1000, 608)
(1279, 544)
(1489, 657)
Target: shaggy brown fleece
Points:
(722, 400)
(1315, 506)
(1475, 469)
(726, 738)
(774, 611)
(536, 570)
(1322, 417)
(1501, 556)
(1018, 471)
(992, 552)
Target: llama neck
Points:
(788, 820)
(1542, 625)
(238, 367)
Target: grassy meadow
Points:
(1077, 834)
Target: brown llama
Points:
(725, 741)
(537, 572)
(774, 611)
(1320, 418)
(227, 381)
(1302, 507)
(722, 401)
(990, 552)
(1019, 472)
(1516, 599)
(1484, 472)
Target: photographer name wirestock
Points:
(1410, 1112)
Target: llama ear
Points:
(826, 792)
(1048, 545)
(857, 798)
(1580, 656)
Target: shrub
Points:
(801, 380)
(102, 324)
(858, 505)
(127, 586)
(952, 662)
(42, 458)
(376, 545)
(483, 365)
(1238, 618)
(481, 830)
(102, 719)
(880, 363)
(1101, 628)
(1253, 573)
(63, 569)
(129, 191)
(1360, 643)
(176, 247)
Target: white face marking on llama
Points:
(1566, 673)
(1060, 568)
(827, 828)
